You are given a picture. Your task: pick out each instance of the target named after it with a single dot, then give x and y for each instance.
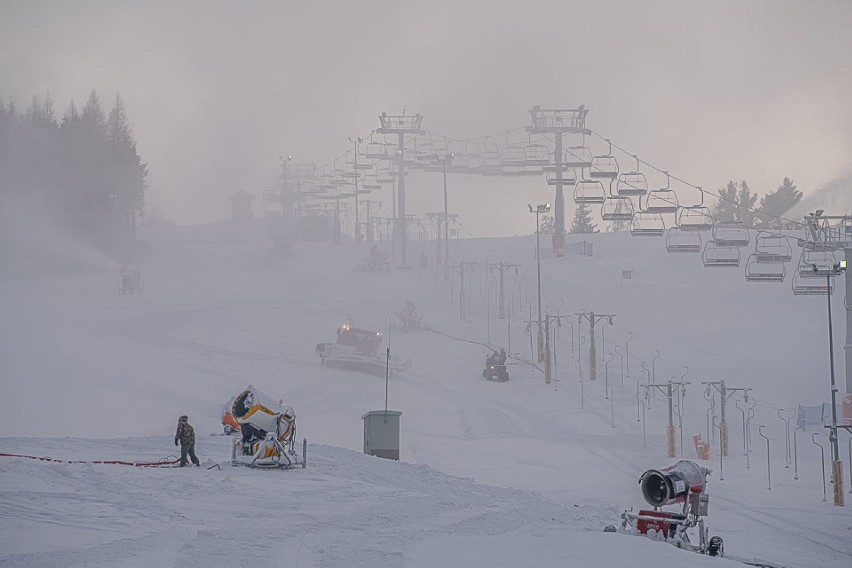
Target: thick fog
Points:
(216, 91)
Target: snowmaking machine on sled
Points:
(684, 482)
(264, 430)
(358, 350)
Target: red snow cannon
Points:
(662, 487)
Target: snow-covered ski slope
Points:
(519, 473)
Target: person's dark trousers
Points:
(188, 449)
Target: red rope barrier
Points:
(161, 463)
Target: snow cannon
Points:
(671, 485)
(683, 483)
(267, 428)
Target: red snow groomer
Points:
(358, 350)
(685, 484)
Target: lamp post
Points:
(447, 159)
(356, 142)
(836, 464)
(538, 210)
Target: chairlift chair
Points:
(536, 155)
(678, 240)
(577, 157)
(569, 177)
(759, 269)
(632, 183)
(811, 286)
(491, 163)
(617, 208)
(379, 150)
(512, 157)
(773, 248)
(814, 264)
(604, 166)
(663, 200)
(589, 192)
(717, 255)
(647, 224)
(695, 218)
(731, 233)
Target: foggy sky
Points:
(712, 90)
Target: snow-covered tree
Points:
(778, 202)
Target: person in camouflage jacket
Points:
(185, 436)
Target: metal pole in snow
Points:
(822, 461)
(722, 454)
(768, 469)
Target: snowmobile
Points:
(358, 350)
(495, 368)
(266, 431)
(684, 482)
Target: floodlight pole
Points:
(724, 392)
(836, 464)
(538, 210)
(448, 158)
(357, 141)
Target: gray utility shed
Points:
(381, 433)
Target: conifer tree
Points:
(583, 221)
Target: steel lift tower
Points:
(401, 125)
(828, 233)
(558, 122)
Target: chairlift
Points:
(536, 155)
(617, 208)
(632, 183)
(732, 233)
(815, 264)
(647, 224)
(512, 156)
(678, 240)
(491, 163)
(720, 255)
(760, 269)
(695, 218)
(569, 177)
(379, 150)
(803, 286)
(605, 166)
(773, 248)
(589, 192)
(465, 164)
(663, 200)
(577, 157)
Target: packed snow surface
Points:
(491, 474)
